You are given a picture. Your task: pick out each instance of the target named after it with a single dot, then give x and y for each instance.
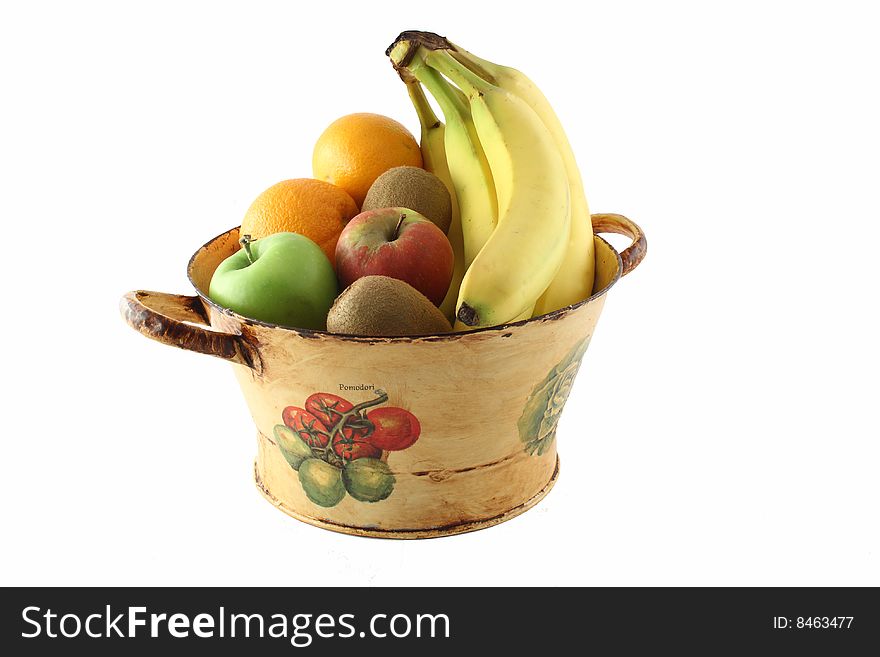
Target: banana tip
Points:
(468, 315)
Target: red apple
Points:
(398, 243)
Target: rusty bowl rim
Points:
(428, 337)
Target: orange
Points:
(358, 148)
(313, 208)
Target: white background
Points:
(723, 430)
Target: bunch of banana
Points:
(574, 281)
(528, 241)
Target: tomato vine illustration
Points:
(340, 448)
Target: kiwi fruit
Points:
(384, 306)
(415, 189)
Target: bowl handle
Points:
(180, 321)
(617, 223)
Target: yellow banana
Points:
(434, 159)
(468, 168)
(574, 282)
(525, 252)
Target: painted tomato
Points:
(327, 407)
(306, 425)
(395, 428)
(356, 447)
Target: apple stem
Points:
(397, 227)
(245, 242)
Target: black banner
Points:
(433, 621)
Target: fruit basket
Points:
(462, 425)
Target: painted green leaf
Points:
(537, 424)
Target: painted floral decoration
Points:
(540, 417)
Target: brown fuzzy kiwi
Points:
(413, 188)
(383, 306)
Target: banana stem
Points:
(451, 100)
(401, 51)
(410, 46)
(425, 112)
(475, 64)
(467, 80)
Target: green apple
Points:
(284, 278)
